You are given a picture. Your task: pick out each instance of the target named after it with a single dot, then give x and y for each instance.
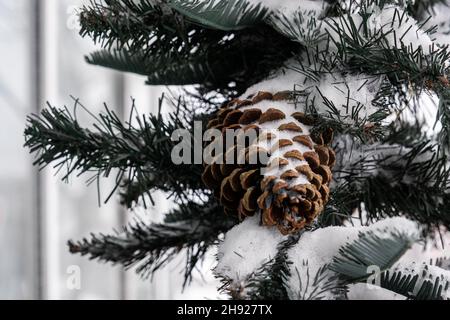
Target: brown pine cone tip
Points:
(289, 188)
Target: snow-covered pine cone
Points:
(289, 182)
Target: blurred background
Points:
(42, 59)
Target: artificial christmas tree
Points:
(348, 166)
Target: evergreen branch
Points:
(421, 284)
(163, 69)
(236, 62)
(363, 121)
(414, 162)
(268, 282)
(193, 227)
(303, 26)
(396, 282)
(170, 50)
(441, 262)
(443, 115)
(144, 26)
(122, 61)
(140, 154)
(421, 9)
(221, 15)
(121, 23)
(380, 199)
(358, 113)
(360, 48)
(381, 249)
(318, 286)
(311, 287)
(349, 120)
(226, 65)
(339, 208)
(404, 176)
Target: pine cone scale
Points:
(288, 184)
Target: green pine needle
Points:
(221, 15)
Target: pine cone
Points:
(289, 182)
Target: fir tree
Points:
(343, 85)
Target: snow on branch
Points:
(357, 161)
(323, 246)
(345, 101)
(418, 281)
(367, 291)
(390, 23)
(440, 17)
(302, 24)
(246, 248)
